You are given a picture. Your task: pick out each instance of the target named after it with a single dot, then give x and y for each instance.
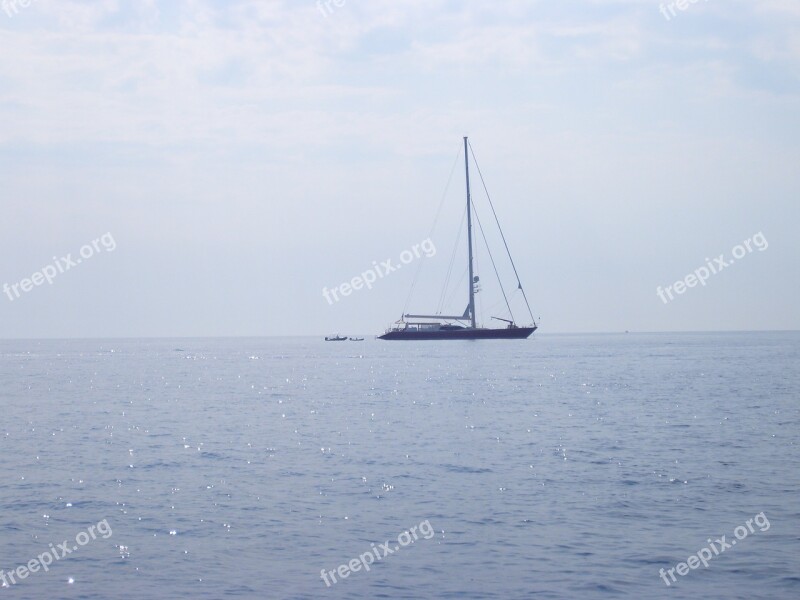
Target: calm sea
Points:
(559, 467)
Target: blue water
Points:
(558, 467)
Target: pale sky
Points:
(246, 154)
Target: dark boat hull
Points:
(517, 333)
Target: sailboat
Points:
(465, 326)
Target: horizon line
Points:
(316, 335)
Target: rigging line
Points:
(494, 266)
(478, 300)
(449, 301)
(440, 305)
(433, 228)
(499, 302)
(502, 235)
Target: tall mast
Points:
(469, 237)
